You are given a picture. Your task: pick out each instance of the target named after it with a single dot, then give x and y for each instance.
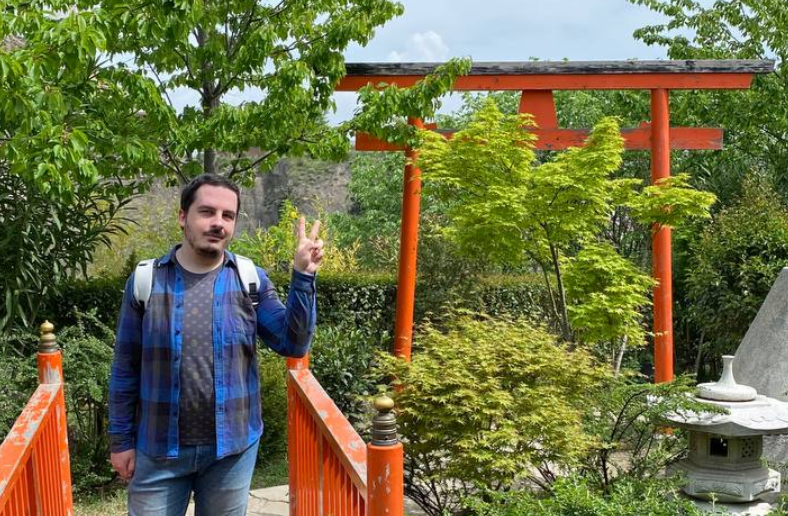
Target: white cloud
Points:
(422, 46)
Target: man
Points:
(184, 395)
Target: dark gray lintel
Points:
(753, 66)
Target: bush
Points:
(488, 403)
(87, 359)
(574, 497)
(340, 360)
(513, 296)
(364, 300)
(272, 248)
(273, 390)
(626, 416)
(100, 295)
(20, 376)
(47, 239)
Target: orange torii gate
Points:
(536, 80)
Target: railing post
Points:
(294, 423)
(385, 481)
(50, 371)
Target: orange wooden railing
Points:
(35, 473)
(332, 471)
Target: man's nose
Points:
(218, 223)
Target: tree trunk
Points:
(550, 291)
(620, 356)
(210, 100)
(699, 356)
(566, 332)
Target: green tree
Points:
(75, 134)
(730, 268)
(290, 53)
(83, 131)
(375, 189)
(755, 120)
(507, 207)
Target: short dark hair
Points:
(189, 191)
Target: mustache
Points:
(218, 234)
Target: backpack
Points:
(143, 279)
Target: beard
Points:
(205, 250)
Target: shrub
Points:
(488, 403)
(272, 248)
(366, 300)
(273, 390)
(100, 295)
(626, 416)
(87, 359)
(513, 296)
(46, 240)
(362, 300)
(574, 497)
(340, 360)
(19, 373)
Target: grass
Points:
(109, 504)
(272, 472)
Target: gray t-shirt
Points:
(197, 418)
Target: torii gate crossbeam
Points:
(537, 80)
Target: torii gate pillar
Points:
(661, 260)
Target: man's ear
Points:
(182, 218)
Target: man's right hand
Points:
(123, 463)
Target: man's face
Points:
(209, 224)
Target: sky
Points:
(497, 30)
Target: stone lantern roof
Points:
(748, 412)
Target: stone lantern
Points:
(724, 461)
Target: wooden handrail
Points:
(35, 474)
(332, 471)
(345, 442)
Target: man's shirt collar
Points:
(229, 258)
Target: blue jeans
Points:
(162, 487)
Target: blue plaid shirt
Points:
(144, 382)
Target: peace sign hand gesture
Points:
(309, 249)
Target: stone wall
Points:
(313, 186)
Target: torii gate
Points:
(537, 80)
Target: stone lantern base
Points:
(741, 485)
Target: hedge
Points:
(362, 299)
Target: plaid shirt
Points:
(144, 382)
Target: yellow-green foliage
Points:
(606, 294)
(675, 193)
(506, 206)
(485, 403)
(273, 248)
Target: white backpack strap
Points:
(143, 281)
(250, 281)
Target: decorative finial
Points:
(726, 389)
(48, 342)
(384, 424)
